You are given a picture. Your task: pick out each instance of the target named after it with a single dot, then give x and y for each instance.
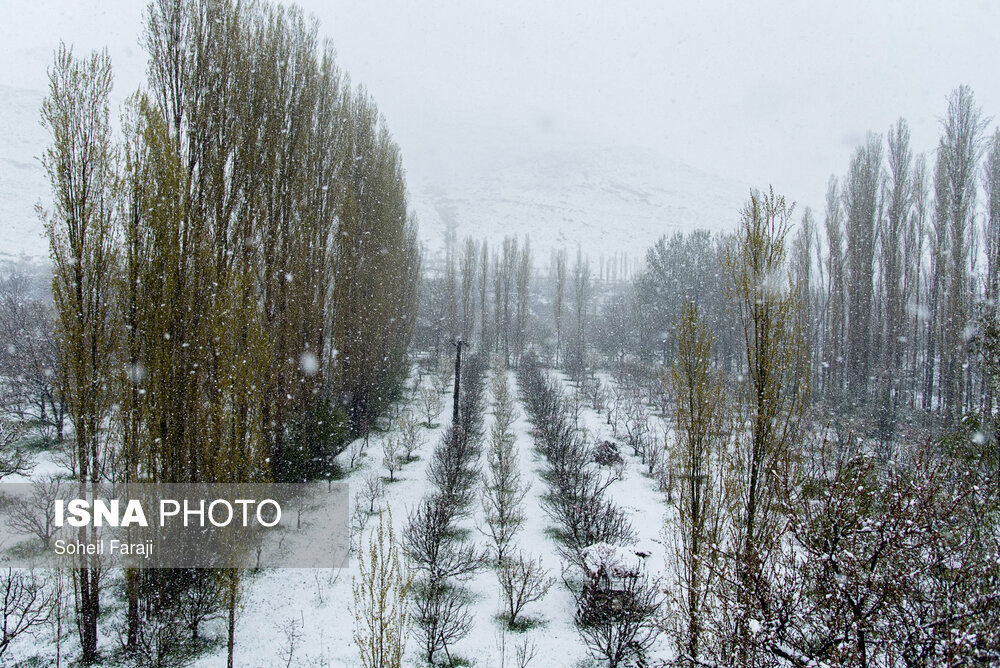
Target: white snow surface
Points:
(318, 601)
(321, 599)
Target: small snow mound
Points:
(644, 548)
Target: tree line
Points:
(235, 272)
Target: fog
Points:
(766, 93)
(757, 93)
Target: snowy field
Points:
(312, 606)
(319, 600)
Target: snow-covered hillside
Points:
(29, 33)
(606, 200)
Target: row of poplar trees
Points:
(497, 300)
(898, 280)
(235, 273)
(904, 268)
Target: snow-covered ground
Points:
(316, 603)
(319, 600)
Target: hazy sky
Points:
(767, 93)
(760, 92)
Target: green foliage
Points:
(970, 444)
(315, 437)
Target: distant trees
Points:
(559, 298)
(469, 271)
(682, 269)
(580, 301)
(28, 358)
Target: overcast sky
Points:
(763, 93)
(766, 93)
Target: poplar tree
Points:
(892, 238)
(837, 295)
(80, 166)
(381, 591)
(559, 298)
(470, 259)
(701, 436)
(773, 391)
(960, 148)
(523, 311)
(861, 204)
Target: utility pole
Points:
(458, 379)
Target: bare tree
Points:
(619, 620)
(636, 423)
(523, 580)
(409, 435)
(392, 456)
(441, 615)
(291, 628)
(433, 545)
(430, 401)
(28, 357)
(441, 560)
(24, 605)
(524, 652)
(35, 515)
(372, 489)
(13, 459)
